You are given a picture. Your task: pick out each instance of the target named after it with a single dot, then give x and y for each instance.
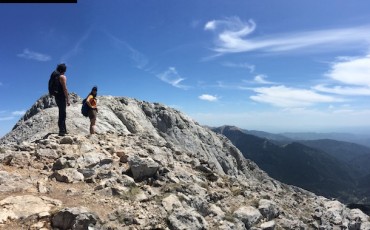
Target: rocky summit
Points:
(149, 167)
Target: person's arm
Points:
(63, 81)
(88, 102)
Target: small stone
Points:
(66, 141)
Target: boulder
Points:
(182, 219)
(46, 153)
(248, 215)
(21, 207)
(77, 218)
(171, 202)
(68, 175)
(268, 209)
(142, 168)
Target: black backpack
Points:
(85, 108)
(55, 88)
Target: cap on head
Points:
(95, 88)
(62, 68)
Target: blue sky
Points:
(274, 66)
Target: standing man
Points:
(61, 96)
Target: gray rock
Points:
(68, 175)
(182, 219)
(12, 182)
(66, 141)
(21, 207)
(46, 153)
(142, 168)
(64, 162)
(248, 215)
(77, 218)
(171, 202)
(270, 225)
(268, 209)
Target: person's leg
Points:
(92, 116)
(92, 125)
(62, 106)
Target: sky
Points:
(274, 66)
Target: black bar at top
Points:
(38, 1)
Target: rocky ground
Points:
(150, 167)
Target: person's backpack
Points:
(54, 85)
(85, 108)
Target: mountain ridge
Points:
(149, 167)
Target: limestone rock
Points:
(12, 182)
(77, 218)
(248, 215)
(21, 207)
(268, 209)
(182, 219)
(171, 202)
(46, 153)
(270, 225)
(142, 168)
(68, 175)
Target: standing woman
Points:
(93, 110)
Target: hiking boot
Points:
(62, 134)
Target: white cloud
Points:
(261, 79)
(211, 25)
(29, 54)
(341, 90)
(172, 77)
(247, 66)
(207, 97)
(352, 71)
(232, 32)
(18, 113)
(286, 97)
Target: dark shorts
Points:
(92, 114)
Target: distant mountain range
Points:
(288, 137)
(327, 167)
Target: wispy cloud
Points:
(19, 113)
(282, 96)
(247, 66)
(343, 90)
(136, 56)
(261, 79)
(76, 49)
(232, 36)
(207, 97)
(172, 77)
(29, 54)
